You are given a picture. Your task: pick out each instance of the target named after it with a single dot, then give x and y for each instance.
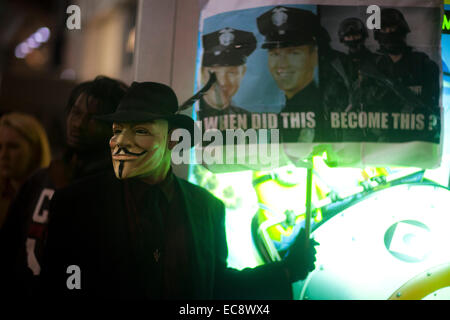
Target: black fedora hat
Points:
(147, 101)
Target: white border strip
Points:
(214, 7)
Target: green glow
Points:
(352, 257)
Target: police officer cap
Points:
(392, 17)
(227, 47)
(352, 26)
(286, 27)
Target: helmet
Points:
(351, 26)
(393, 18)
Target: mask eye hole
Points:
(117, 131)
(141, 131)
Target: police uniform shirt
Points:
(207, 111)
(306, 100)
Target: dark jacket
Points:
(88, 228)
(22, 240)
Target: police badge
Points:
(279, 17)
(226, 37)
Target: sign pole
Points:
(309, 175)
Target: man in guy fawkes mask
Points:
(408, 69)
(141, 232)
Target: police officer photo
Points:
(292, 54)
(290, 38)
(225, 54)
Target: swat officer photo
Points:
(359, 66)
(414, 75)
(353, 34)
(225, 54)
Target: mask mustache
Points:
(128, 152)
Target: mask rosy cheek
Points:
(112, 142)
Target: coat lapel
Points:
(202, 242)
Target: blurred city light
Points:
(42, 35)
(32, 42)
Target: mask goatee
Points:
(120, 169)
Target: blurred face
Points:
(352, 37)
(83, 131)
(139, 149)
(293, 67)
(354, 42)
(15, 154)
(228, 82)
(389, 29)
(392, 41)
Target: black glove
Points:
(300, 258)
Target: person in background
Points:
(24, 148)
(23, 238)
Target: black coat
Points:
(88, 228)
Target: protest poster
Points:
(358, 80)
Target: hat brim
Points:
(285, 44)
(176, 120)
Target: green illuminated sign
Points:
(446, 22)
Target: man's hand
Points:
(299, 260)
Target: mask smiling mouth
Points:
(126, 155)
